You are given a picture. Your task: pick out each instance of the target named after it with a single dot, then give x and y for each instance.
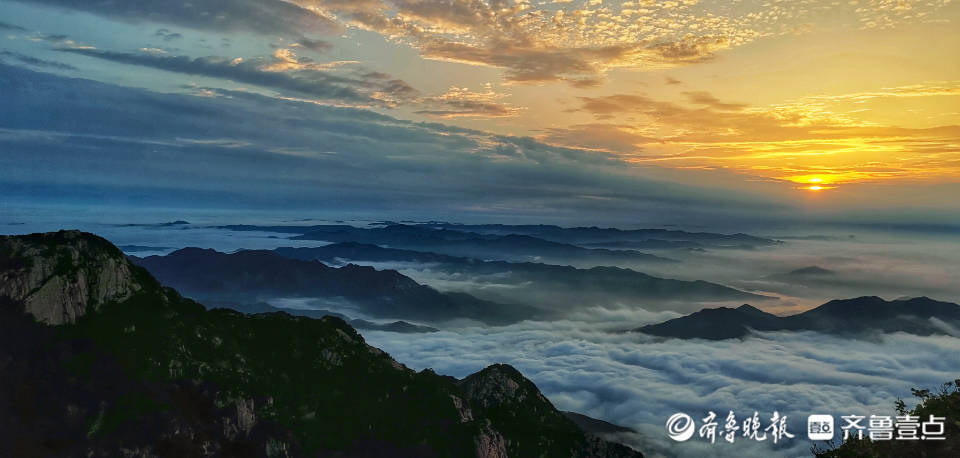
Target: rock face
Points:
(60, 276)
(146, 372)
(514, 403)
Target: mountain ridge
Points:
(840, 316)
(153, 373)
(247, 275)
(608, 279)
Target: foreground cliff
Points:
(133, 369)
(60, 276)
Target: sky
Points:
(688, 112)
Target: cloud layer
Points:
(533, 42)
(638, 382)
(812, 138)
(222, 147)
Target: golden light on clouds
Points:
(816, 142)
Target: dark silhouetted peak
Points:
(513, 403)
(860, 306)
(812, 270)
(747, 308)
(499, 384)
(842, 316)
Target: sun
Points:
(813, 183)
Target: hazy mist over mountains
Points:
(572, 327)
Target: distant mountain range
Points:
(599, 235)
(249, 276)
(515, 247)
(624, 285)
(101, 360)
(262, 307)
(921, 315)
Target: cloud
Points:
(36, 62)
(461, 102)
(813, 137)
(145, 148)
(707, 99)
(576, 43)
(929, 89)
(284, 72)
(13, 27)
(635, 381)
(313, 45)
(269, 17)
(60, 40)
(167, 35)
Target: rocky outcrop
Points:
(59, 276)
(490, 443)
(512, 402)
(501, 384)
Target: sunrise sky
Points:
(559, 105)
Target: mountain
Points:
(921, 315)
(516, 247)
(620, 284)
(811, 275)
(262, 307)
(253, 275)
(811, 270)
(583, 236)
(60, 276)
(140, 371)
(648, 244)
(715, 324)
(598, 235)
(595, 426)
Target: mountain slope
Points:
(156, 374)
(252, 275)
(921, 315)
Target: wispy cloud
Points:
(461, 102)
(271, 17)
(35, 61)
(284, 72)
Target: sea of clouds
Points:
(586, 363)
(639, 381)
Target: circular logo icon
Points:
(680, 427)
